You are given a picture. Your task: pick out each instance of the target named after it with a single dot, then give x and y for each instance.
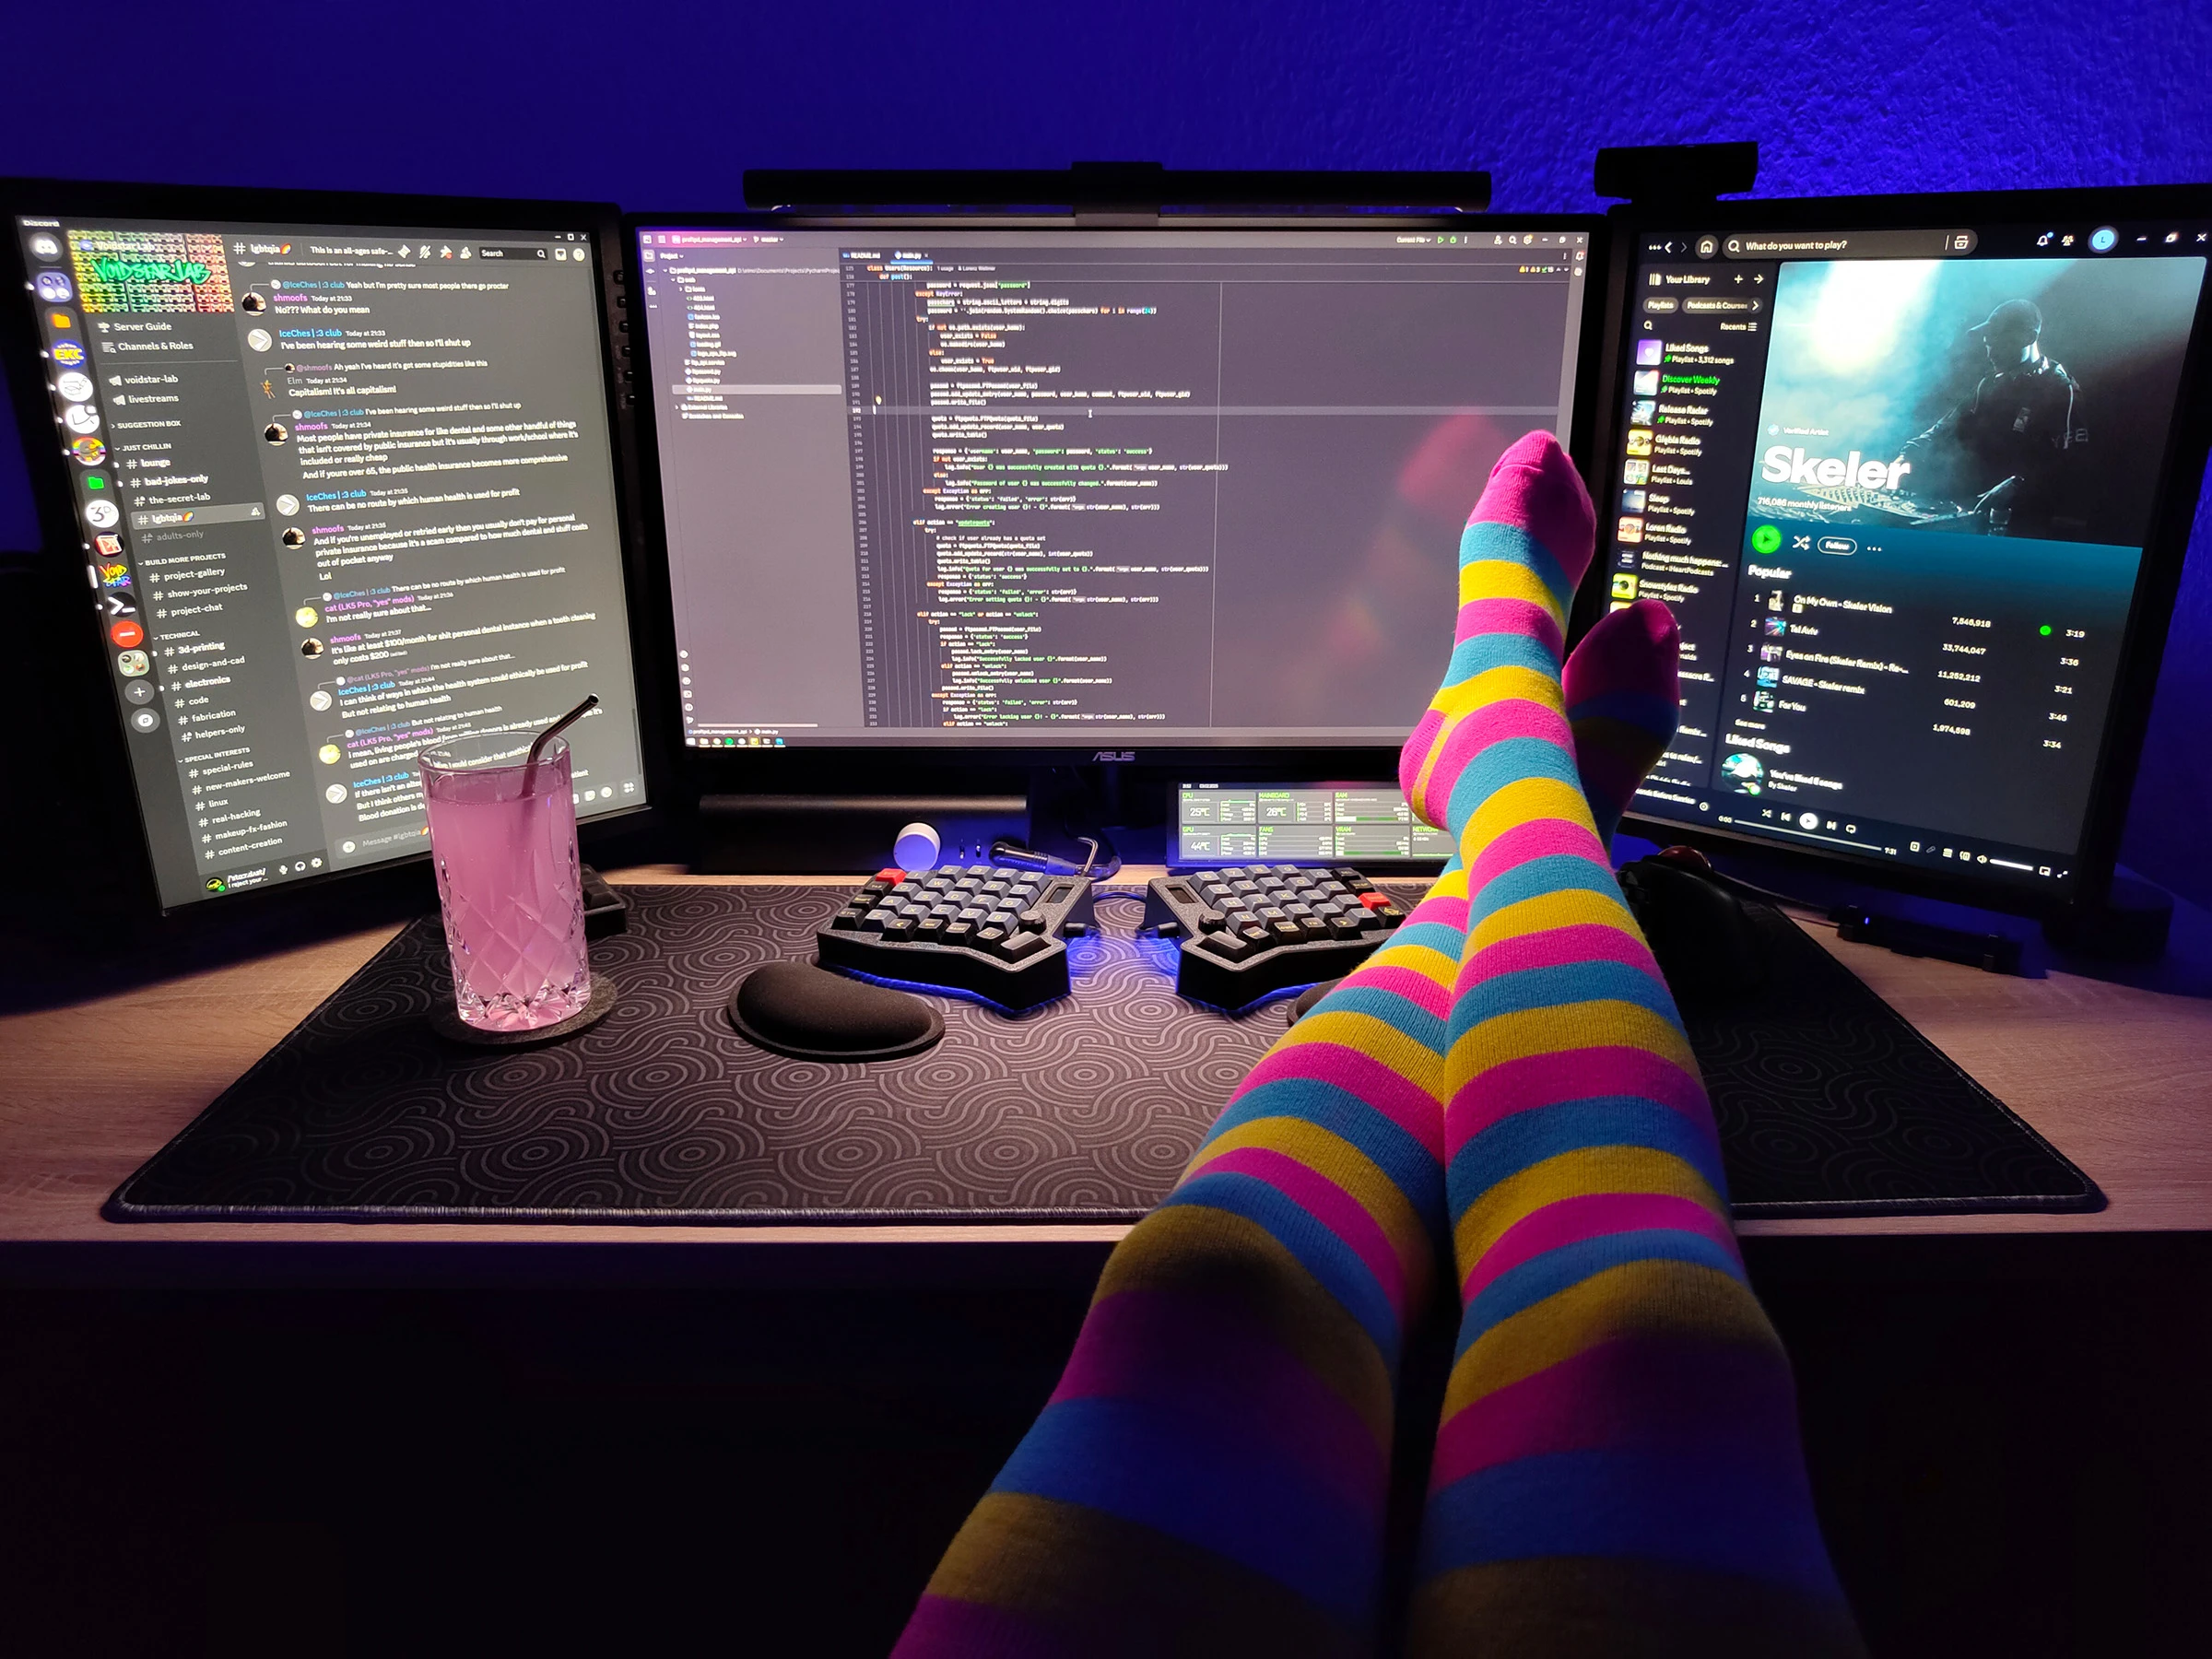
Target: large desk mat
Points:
(1084, 1110)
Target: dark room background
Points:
(664, 105)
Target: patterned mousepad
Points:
(1084, 1110)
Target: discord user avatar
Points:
(310, 648)
(252, 303)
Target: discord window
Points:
(1895, 486)
(344, 494)
(1075, 487)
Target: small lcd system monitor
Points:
(1220, 823)
(1915, 476)
(341, 476)
(972, 489)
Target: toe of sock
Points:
(1535, 486)
(1636, 648)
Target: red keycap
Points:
(893, 876)
(1374, 901)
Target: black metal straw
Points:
(551, 732)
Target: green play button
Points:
(1765, 539)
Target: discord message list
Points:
(351, 495)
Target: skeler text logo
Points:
(1783, 464)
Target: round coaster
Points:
(448, 1024)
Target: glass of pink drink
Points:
(504, 837)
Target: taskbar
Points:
(1834, 829)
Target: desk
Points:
(2118, 1078)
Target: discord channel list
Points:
(1226, 823)
(1097, 483)
(344, 494)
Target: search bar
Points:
(1849, 244)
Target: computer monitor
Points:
(341, 474)
(1915, 474)
(990, 491)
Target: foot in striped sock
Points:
(1618, 1468)
(1623, 701)
(1524, 551)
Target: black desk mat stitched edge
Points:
(121, 1207)
(1789, 946)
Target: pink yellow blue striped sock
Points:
(1618, 1468)
(1212, 1473)
(1623, 701)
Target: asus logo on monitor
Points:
(1115, 755)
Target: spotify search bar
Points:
(1849, 244)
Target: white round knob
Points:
(916, 848)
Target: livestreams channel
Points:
(1954, 474)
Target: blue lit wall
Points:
(664, 107)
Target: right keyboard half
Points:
(1253, 930)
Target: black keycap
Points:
(1021, 946)
(1228, 946)
(846, 919)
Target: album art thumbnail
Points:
(2026, 397)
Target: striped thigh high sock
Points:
(1617, 1470)
(1211, 1475)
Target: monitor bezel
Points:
(51, 491)
(839, 768)
(2166, 543)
